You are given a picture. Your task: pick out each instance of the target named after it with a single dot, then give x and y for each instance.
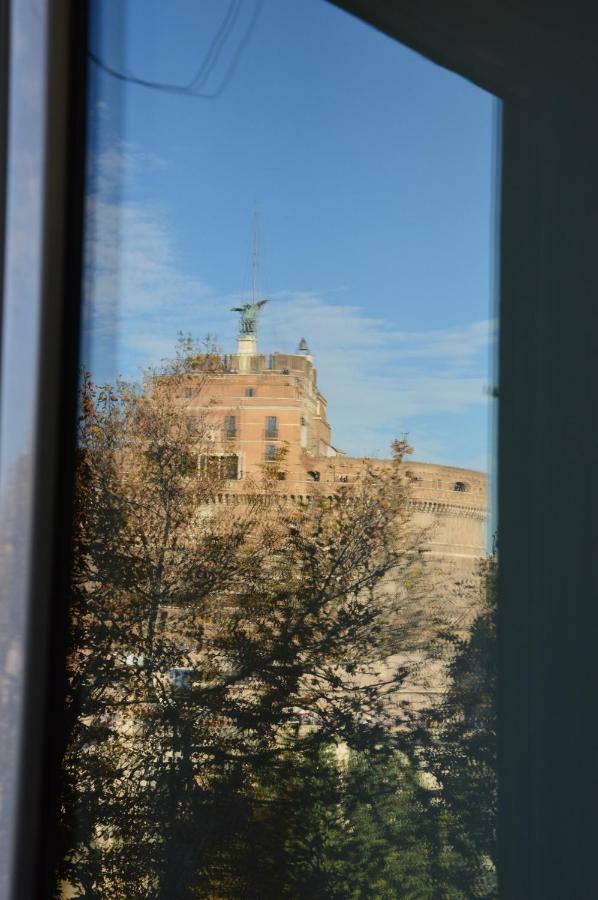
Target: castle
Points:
(265, 407)
(266, 413)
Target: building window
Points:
(210, 466)
(460, 486)
(181, 679)
(270, 453)
(281, 476)
(271, 427)
(220, 467)
(315, 476)
(192, 424)
(230, 427)
(343, 478)
(230, 467)
(249, 392)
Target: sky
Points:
(372, 175)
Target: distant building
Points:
(267, 411)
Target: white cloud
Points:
(375, 375)
(132, 280)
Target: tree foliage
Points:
(459, 745)
(219, 653)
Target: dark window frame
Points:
(540, 61)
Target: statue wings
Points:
(247, 306)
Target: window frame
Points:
(270, 453)
(219, 465)
(230, 433)
(539, 60)
(62, 29)
(541, 65)
(271, 432)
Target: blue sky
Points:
(372, 171)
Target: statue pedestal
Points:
(246, 348)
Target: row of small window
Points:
(227, 467)
(461, 486)
(191, 392)
(230, 427)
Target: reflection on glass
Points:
(281, 666)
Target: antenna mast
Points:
(254, 266)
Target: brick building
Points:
(266, 410)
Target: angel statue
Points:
(249, 313)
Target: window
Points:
(271, 427)
(230, 427)
(220, 467)
(460, 486)
(230, 468)
(208, 554)
(464, 52)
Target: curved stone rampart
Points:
(451, 503)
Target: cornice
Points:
(438, 508)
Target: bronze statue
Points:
(249, 313)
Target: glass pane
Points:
(281, 667)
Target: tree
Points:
(201, 632)
(458, 743)
(349, 825)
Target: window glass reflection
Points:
(281, 662)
